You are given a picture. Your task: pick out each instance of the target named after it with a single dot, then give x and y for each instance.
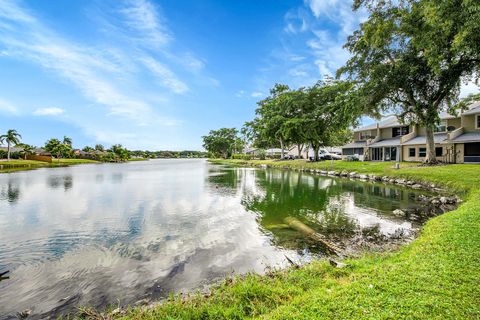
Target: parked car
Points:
(323, 154)
(288, 157)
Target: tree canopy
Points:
(411, 56)
(222, 142)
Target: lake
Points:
(118, 233)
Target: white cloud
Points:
(322, 7)
(240, 93)
(51, 111)
(7, 107)
(166, 77)
(256, 94)
(143, 16)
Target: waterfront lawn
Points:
(20, 165)
(434, 277)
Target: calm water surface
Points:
(99, 234)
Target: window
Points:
(441, 127)
(472, 149)
(422, 152)
(412, 152)
(439, 151)
(401, 131)
(352, 151)
(364, 135)
(478, 121)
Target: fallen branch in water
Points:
(303, 228)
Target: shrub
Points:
(241, 156)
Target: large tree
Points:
(11, 137)
(328, 109)
(272, 114)
(221, 142)
(411, 56)
(58, 148)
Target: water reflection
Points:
(100, 234)
(340, 209)
(10, 191)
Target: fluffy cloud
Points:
(52, 111)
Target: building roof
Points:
(468, 137)
(386, 142)
(388, 122)
(12, 149)
(355, 144)
(438, 138)
(474, 108)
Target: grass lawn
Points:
(437, 276)
(73, 161)
(19, 164)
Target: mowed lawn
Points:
(19, 164)
(437, 276)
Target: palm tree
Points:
(26, 149)
(67, 140)
(11, 137)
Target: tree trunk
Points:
(8, 150)
(281, 146)
(315, 148)
(300, 148)
(431, 156)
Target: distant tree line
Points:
(63, 148)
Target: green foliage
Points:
(117, 153)
(222, 142)
(242, 156)
(58, 149)
(99, 147)
(12, 137)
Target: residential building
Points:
(457, 139)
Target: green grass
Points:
(19, 165)
(434, 277)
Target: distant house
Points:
(41, 152)
(95, 154)
(12, 149)
(457, 139)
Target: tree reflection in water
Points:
(339, 209)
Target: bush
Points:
(353, 158)
(261, 154)
(241, 156)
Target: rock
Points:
(363, 176)
(142, 302)
(417, 186)
(423, 198)
(385, 179)
(435, 202)
(344, 174)
(323, 172)
(337, 264)
(24, 314)
(352, 174)
(331, 173)
(400, 181)
(115, 311)
(409, 183)
(318, 171)
(443, 200)
(399, 213)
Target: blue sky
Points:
(158, 74)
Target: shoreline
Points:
(402, 283)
